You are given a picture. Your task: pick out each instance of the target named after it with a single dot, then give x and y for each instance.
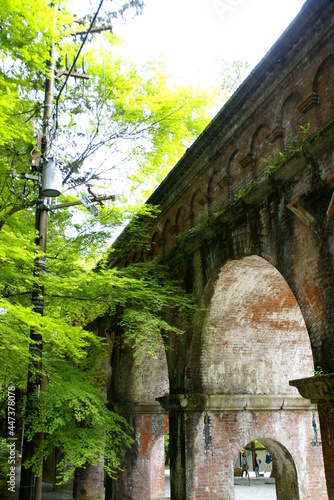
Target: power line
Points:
(75, 60)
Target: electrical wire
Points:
(75, 60)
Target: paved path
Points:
(259, 492)
(255, 489)
(50, 494)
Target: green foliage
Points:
(74, 416)
(4, 467)
(318, 371)
(142, 127)
(73, 411)
(134, 113)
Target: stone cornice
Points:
(236, 402)
(318, 389)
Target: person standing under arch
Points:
(268, 462)
(256, 466)
(244, 465)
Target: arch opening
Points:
(257, 343)
(270, 468)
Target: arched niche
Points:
(154, 245)
(291, 119)
(260, 149)
(235, 174)
(196, 208)
(323, 85)
(180, 220)
(213, 189)
(167, 236)
(218, 190)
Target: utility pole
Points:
(31, 486)
(36, 380)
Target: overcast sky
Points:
(193, 35)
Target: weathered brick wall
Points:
(292, 86)
(133, 388)
(265, 119)
(157, 464)
(257, 339)
(143, 474)
(137, 381)
(232, 203)
(214, 440)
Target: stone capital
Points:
(319, 389)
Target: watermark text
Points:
(223, 7)
(11, 438)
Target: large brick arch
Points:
(238, 381)
(254, 313)
(215, 436)
(265, 243)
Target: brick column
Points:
(186, 475)
(178, 482)
(89, 483)
(177, 456)
(143, 474)
(320, 390)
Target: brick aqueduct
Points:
(247, 222)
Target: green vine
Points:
(272, 165)
(203, 228)
(318, 371)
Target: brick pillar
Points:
(207, 433)
(143, 473)
(320, 390)
(177, 455)
(326, 418)
(89, 483)
(183, 410)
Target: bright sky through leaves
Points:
(193, 35)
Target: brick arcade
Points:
(247, 223)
